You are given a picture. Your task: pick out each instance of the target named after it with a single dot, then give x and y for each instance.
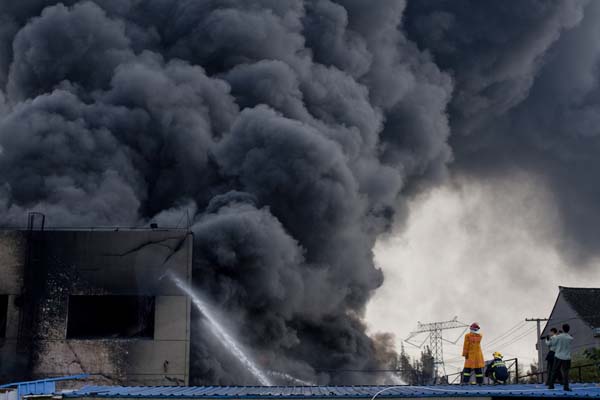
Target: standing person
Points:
(562, 357)
(550, 356)
(473, 355)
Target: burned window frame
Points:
(89, 317)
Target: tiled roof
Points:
(332, 392)
(585, 302)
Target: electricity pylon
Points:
(436, 339)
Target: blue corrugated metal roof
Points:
(60, 378)
(307, 392)
(42, 386)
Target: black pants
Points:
(500, 375)
(478, 375)
(549, 367)
(562, 367)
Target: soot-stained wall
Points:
(12, 259)
(43, 271)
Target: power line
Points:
(508, 337)
(515, 328)
(515, 334)
(511, 340)
(518, 338)
(508, 331)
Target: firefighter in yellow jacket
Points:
(473, 355)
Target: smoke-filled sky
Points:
(297, 134)
(484, 252)
(519, 216)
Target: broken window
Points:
(3, 314)
(101, 317)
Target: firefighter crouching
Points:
(473, 356)
(496, 370)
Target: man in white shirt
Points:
(562, 356)
(550, 358)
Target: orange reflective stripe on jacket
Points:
(472, 350)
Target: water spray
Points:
(219, 331)
(291, 378)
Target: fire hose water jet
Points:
(220, 332)
(291, 378)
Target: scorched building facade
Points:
(95, 302)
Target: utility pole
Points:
(539, 345)
(434, 329)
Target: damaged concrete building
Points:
(93, 301)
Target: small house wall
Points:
(582, 333)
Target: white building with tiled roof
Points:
(580, 308)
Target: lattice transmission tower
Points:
(434, 332)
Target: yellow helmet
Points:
(497, 354)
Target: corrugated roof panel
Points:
(332, 392)
(179, 390)
(234, 391)
(357, 390)
(162, 390)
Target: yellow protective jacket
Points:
(472, 351)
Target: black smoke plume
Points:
(526, 98)
(293, 131)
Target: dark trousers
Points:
(478, 375)
(562, 366)
(549, 367)
(500, 375)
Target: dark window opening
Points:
(101, 317)
(3, 314)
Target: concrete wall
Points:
(130, 262)
(12, 260)
(8, 394)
